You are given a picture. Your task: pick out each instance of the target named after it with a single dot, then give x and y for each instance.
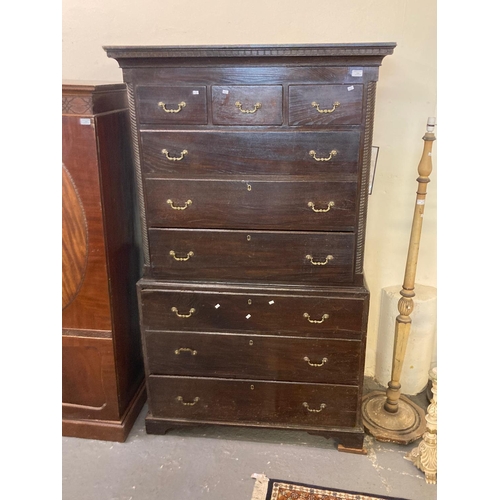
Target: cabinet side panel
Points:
(122, 250)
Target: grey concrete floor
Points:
(216, 463)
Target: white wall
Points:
(406, 93)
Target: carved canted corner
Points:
(138, 175)
(371, 88)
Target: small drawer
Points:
(265, 256)
(327, 361)
(325, 104)
(247, 105)
(261, 312)
(194, 154)
(172, 105)
(250, 401)
(282, 205)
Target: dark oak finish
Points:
(259, 357)
(253, 304)
(251, 153)
(102, 372)
(349, 110)
(252, 401)
(247, 105)
(185, 105)
(263, 256)
(279, 205)
(270, 312)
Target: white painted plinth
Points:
(420, 351)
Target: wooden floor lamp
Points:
(390, 416)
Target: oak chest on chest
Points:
(253, 166)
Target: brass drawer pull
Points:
(176, 311)
(171, 203)
(323, 361)
(322, 406)
(255, 108)
(181, 105)
(316, 105)
(181, 400)
(314, 263)
(181, 259)
(175, 158)
(321, 210)
(186, 349)
(325, 316)
(333, 153)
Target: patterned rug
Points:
(274, 489)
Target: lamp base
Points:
(403, 427)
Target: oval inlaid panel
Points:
(74, 240)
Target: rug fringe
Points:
(260, 487)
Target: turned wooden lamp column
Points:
(390, 416)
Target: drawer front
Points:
(278, 257)
(247, 105)
(261, 313)
(327, 206)
(191, 153)
(250, 356)
(172, 105)
(325, 104)
(252, 401)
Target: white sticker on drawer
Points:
(196, 92)
(271, 302)
(225, 91)
(217, 306)
(350, 88)
(85, 121)
(357, 72)
(248, 316)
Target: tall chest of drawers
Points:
(253, 165)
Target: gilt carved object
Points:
(424, 456)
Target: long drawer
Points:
(328, 361)
(251, 401)
(280, 257)
(305, 205)
(190, 153)
(259, 312)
